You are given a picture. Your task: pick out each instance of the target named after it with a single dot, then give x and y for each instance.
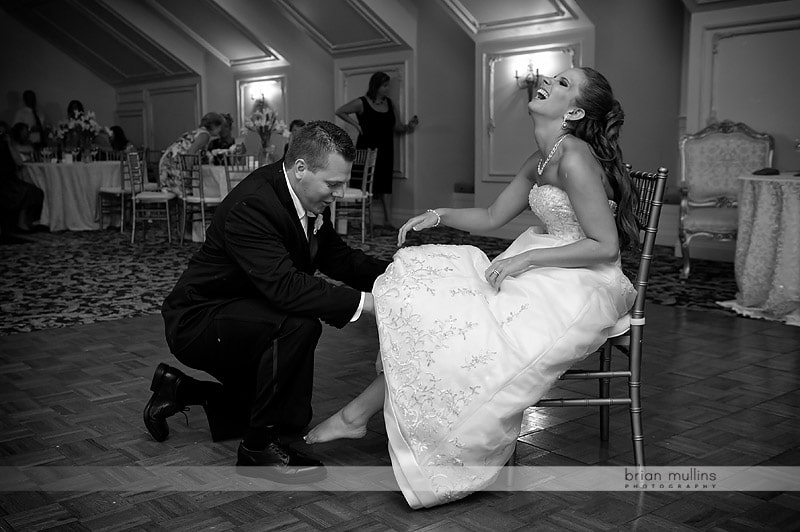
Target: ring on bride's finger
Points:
(494, 272)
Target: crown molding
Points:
(388, 38)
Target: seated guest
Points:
(190, 142)
(72, 139)
(119, 141)
(21, 142)
(20, 201)
(113, 145)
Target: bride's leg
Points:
(351, 421)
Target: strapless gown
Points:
(463, 361)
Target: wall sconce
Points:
(530, 81)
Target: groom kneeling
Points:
(247, 310)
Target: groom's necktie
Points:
(312, 239)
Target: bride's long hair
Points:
(599, 128)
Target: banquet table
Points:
(70, 191)
(767, 262)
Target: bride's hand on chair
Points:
(417, 223)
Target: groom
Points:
(247, 310)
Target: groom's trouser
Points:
(265, 365)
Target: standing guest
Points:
(21, 142)
(248, 308)
(191, 142)
(376, 122)
(33, 118)
(20, 202)
(294, 125)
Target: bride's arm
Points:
(580, 175)
(511, 201)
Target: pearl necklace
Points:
(540, 166)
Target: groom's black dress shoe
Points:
(279, 463)
(163, 403)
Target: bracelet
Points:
(438, 218)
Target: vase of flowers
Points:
(78, 134)
(264, 121)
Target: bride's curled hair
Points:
(599, 128)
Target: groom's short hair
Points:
(315, 141)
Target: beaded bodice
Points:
(552, 206)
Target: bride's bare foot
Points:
(334, 428)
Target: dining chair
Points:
(711, 162)
(195, 203)
(147, 205)
(627, 334)
(152, 159)
(237, 167)
(112, 200)
(358, 199)
(111, 155)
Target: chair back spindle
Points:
(237, 167)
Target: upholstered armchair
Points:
(711, 162)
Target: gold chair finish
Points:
(359, 198)
(147, 205)
(628, 332)
(193, 199)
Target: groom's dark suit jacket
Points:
(256, 248)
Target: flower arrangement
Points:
(264, 121)
(82, 126)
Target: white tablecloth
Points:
(70, 191)
(768, 248)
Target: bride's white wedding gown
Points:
(462, 361)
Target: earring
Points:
(564, 124)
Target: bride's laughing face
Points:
(557, 94)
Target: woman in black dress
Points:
(376, 122)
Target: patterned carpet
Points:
(70, 278)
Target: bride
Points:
(467, 344)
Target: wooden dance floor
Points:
(718, 391)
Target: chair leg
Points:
(133, 222)
(202, 222)
(183, 222)
(98, 210)
(604, 389)
(363, 220)
(169, 223)
(685, 254)
(122, 213)
(369, 214)
(634, 389)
